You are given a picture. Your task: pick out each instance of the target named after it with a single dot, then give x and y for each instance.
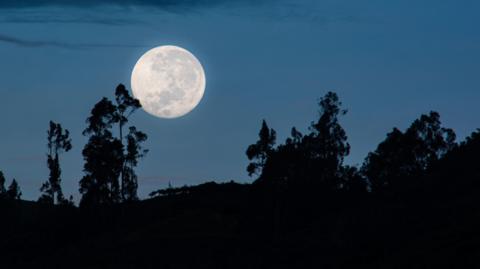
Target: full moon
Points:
(169, 81)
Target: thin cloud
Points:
(85, 20)
(164, 4)
(312, 11)
(60, 11)
(56, 44)
(103, 17)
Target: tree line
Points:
(110, 160)
(314, 160)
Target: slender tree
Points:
(14, 192)
(328, 140)
(3, 191)
(326, 146)
(259, 152)
(58, 141)
(126, 105)
(133, 154)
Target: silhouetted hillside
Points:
(244, 226)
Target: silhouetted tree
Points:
(126, 105)
(327, 144)
(404, 156)
(134, 153)
(432, 141)
(296, 137)
(390, 159)
(107, 159)
(259, 152)
(3, 190)
(458, 171)
(58, 141)
(313, 159)
(13, 192)
(286, 164)
(103, 155)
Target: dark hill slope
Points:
(244, 226)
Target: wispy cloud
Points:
(70, 20)
(117, 12)
(57, 44)
(164, 4)
(107, 12)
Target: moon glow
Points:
(169, 81)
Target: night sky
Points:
(389, 61)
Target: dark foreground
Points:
(244, 226)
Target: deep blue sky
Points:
(388, 60)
